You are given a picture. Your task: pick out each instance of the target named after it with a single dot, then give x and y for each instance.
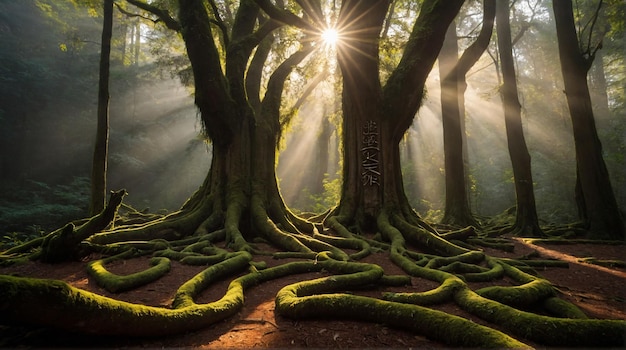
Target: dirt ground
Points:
(598, 291)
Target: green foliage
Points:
(318, 203)
(28, 209)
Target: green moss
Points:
(56, 304)
(605, 263)
(519, 296)
(175, 255)
(319, 246)
(561, 308)
(294, 255)
(496, 271)
(116, 283)
(364, 248)
(426, 239)
(190, 289)
(394, 280)
(461, 267)
(439, 295)
(467, 257)
(296, 301)
(544, 329)
(494, 243)
(537, 263)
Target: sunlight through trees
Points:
(313, 138)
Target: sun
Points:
(330, 36)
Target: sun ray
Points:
(330, 36)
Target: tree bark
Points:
(457, 204)
(376, 118)
(100, 154)
(526, 221)
(357, 56)
(595, 196)
(452, 74)
(240, 193)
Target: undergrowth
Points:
(30, 209)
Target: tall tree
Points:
(452, 72)
(526, 221)
(240, 192)
(100, 153)
(596, 200)
(376, 117)
(239, 197)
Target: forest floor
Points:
(599, 291)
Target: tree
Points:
(375, 118)
(526, 221)
(100, 153)
(240, 188)
(594, 193)
(452, 72)
(239, 200)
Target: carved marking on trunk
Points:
(370, 155)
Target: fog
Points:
(48, 115)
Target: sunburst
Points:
(330, 36)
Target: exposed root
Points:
(116, 284)
(191, 234)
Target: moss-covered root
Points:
(22, 248)
(532, 290)
(561, 308)
(188, 291)
(56, 304)
(63, 244)
(439, 295)
(424, 238)
(563, 332)
(116, 283)
(295, 302)
(519, 296)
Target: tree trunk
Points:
(457, 204)
(240, 193)
(375, 119)
(137, 46)
(100, 154)
(526, 221)
(595, 195)
(362, 92)
(453, 85)
(457, 211)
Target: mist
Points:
(49, 65)
(48, 117)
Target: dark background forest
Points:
(49, 52)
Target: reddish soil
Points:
(598, 291)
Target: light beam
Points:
(330, 36)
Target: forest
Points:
(312, 173)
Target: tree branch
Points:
(219, 22)
(284, 16)
(272, 99)
(474, 51)
(403, 92)
(130, 14)
(313, 9)
(163, 15)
